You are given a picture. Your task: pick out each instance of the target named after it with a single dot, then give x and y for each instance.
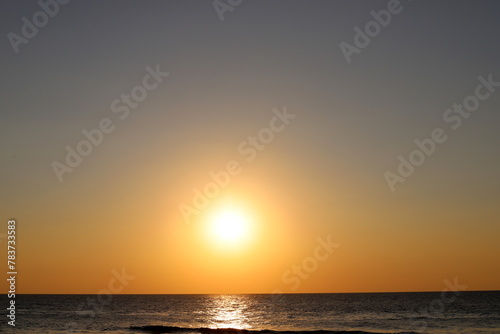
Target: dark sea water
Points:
(429, 312)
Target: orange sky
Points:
(384, 245)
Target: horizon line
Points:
(288, 293)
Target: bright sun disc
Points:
(230, 225)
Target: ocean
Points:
(423, 312)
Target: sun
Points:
(230, 225)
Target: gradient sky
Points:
(323, 175)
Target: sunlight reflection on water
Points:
(228, 312)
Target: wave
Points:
(169, 329)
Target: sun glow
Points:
(230, 225)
